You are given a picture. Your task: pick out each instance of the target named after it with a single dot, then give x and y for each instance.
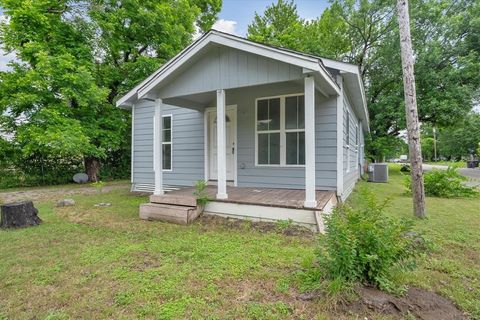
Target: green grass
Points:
(89, 262)
(452, 227)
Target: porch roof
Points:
(309, 63)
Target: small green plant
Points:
(365, 245)
(444, 184)
(201, 193)
(98, 185)
(283, 225)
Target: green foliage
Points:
(74, 59)
(283, 225)
(444, 184)
(461, 140)
(98, 185)
(364, 244)
(201, 193)
(280, 25)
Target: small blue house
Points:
(276, 133)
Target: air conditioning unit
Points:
(378, 172)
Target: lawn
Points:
(90, 262)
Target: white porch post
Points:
(310, 199)
(221, 147)
(157, 147)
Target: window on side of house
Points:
(280, 128)
(295, 130)
(167, 142)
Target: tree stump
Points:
(19, 214)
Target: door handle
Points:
(233, 148)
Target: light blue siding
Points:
(187, 146)
(351, 149)
(225, 68)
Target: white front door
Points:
(231, 131)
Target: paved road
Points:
(472, 174)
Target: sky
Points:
(234, 18)
(236, 15)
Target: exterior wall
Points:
(187, 147)
(283, 177)
(351, 150)
(225, 68)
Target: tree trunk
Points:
(413, 128)
(92, 167)
(20, 214)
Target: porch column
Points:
(157, 148)
(221, 147)
(310, 199)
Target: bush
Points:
(444, 184)
(405, 168)
(365, 245)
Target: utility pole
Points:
(413, 128)
(434, 144)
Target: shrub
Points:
(405, 168)
(363, 244)
(201, 193)
(444, 183)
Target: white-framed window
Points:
(347, 122)
(280, 131)
(167, 142)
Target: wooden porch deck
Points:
(280, 198)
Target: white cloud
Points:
(227, 26)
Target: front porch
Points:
(256, 204)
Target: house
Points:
(277, 134)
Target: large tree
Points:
(76, 57)
(445, 36)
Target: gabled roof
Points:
(309, 63)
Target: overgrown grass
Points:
(90, 262)
(452, 228)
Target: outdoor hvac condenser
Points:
(378, 172)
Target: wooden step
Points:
(181, 200)
(169, 213)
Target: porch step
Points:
(181, 200)
(169, 213)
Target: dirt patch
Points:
(209, 221)
(54, 193)
(420, 303)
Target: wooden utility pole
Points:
(413, 128)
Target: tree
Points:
(76, 58)
(280, 25)
(461, 140)
(413, 128)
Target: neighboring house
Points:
(290, 123)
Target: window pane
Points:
(274, 114)
(263, 148)
(167, 122)
(301, 148)
(292, 147)
(167, 156)
(274, 148)
(167, 135)
(262, 115)
(291, 112)
(301, 112)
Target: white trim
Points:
(221, 147)
(282, 131)
(340, 113)
(310, 194)
(171, 142)
(290, 57)
(132, 147)
(157, 147)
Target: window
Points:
(347, 122)
(167, 142)
(280, 124)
